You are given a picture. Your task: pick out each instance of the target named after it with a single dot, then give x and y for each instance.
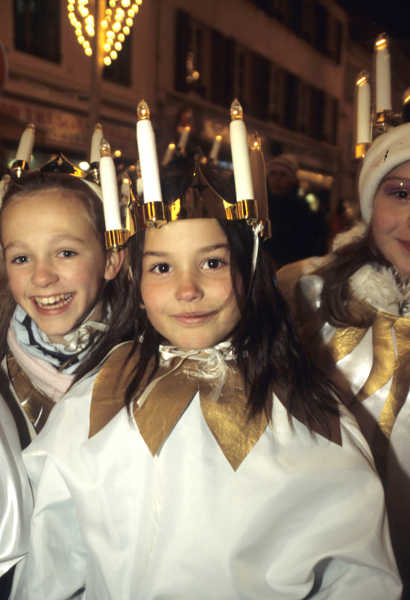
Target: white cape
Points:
(301, 517)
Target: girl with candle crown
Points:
(354, 310)
(62, 291)
(207, 458)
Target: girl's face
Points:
(55, 264)
(391, 218)
(186, 283)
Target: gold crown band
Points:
(115, 239)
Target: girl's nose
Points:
(43, 274)
(188, 288)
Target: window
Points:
(291, 101)
(222, 59)
(37, 28)
(259, 86)
(120, 69)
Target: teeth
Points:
(52, 301)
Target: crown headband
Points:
(200, 199)
(101, 178)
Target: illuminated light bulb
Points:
(107, 61)
(104, 24)
(131, 13)
(110, 35)
(114, 55)
(381, 42)
(126, 30)
(121, 37)
(120, 13)
(143, 111)
(195, 75)
(129, 21)
(118, 46)
(108, 12)
(117, 153)
(112, 3)
(81, 39)
(88, 51)
(116, 26)
(107, 47)
(125, 3)
(236, 110)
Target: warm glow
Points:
(362, 79)
(171, 146)
(218, 138)
(381, 42)
(116, 23)
(236, 110)
(143, 110)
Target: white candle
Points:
(383, 77)
(109, 188)
(25, 147)
(363, 135)
(183, 139)
(95, 143)
(148, 155)
(213, 155)
(169, 153)
(240, 154)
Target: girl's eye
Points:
(67, 253)
(214, 263)
(160, 268)
(19, 260)
(402, 193)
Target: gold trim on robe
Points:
(168, 395)
(391, 356)
(36, 405)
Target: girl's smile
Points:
(55, 263)
(186, 283)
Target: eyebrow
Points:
(398, 177)
(203, 249)
(57, 238)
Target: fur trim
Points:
(382, 288)
(356, 232)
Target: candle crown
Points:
(236, 110)
(105, 148)
(143, 111)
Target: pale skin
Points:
(55, 263)
(186, 283)
(391, 218)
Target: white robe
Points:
(15, 495)
(301, 515)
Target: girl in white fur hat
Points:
(359, 301)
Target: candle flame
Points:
(236, 110)
(126, 180)
(171, 146)
(381, 42)
(406, 96)
(118, 153)
(362, 79)
(218, 138)
(187, 128)
(143, 111)
(105, 148)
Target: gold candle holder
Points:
(360, 150)
(116, 239)
(94, 173)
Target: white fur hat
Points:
(387, 152)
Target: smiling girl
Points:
(356, 315)
(214, 462)
(60, 289)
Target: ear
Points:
(113, 263)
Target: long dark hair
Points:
(336, 274)
(114, 294)
(269, 354)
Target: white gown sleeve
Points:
(15, 494)
(56, 553)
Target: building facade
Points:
(288, 63)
